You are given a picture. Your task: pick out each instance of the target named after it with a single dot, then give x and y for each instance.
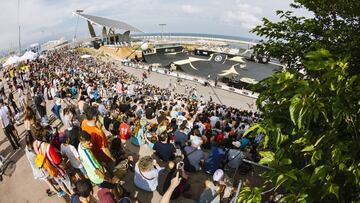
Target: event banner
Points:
(166, 50)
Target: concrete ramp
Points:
(119, 52)
(189, 60)
(165, 59)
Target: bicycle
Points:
(7, 168)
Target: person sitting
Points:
(117, 150)
(215, 158)
(183, 186)
(194, 155)
(124, 130)
(164, 150)
(215, 190)
(111, 123)
(235, 155)
(221, 180)
(105, 196)
(137, 132)
(173, 185)
(147, 173)
(180, 137)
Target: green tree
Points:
(335, 26)
(311, 117)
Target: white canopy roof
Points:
(108, 22)
(12, 60)
(29, 55)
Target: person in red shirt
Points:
(124, 131)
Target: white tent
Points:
(29, 55)
(12, 60)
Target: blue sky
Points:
(50, 19)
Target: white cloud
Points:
(248, 16)
(49, 19)
(190, 9)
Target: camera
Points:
(180, 165)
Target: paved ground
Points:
(21, 186)
(218, 95)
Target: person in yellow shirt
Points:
(11, 73)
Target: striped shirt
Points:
(90, 164)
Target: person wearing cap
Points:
(220, 179)
(216, 190)
(194, 154)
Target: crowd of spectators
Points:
(103, 110)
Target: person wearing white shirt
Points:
(72, 154)
(7, 126)
(53, 91)
(213, 120)
(89, 91)
(147, 173)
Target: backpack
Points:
(135, 129)
(187, 165)
(42, 161)
(220, 137)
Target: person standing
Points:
(70, 152)
(7, 126)
(38, 173)
(216, 81)
(40, 105)
(100, 147)
(95, 171)
(12, 102)
(22, 98)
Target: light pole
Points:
(162, 29)
(18, 18)
(77, 22)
